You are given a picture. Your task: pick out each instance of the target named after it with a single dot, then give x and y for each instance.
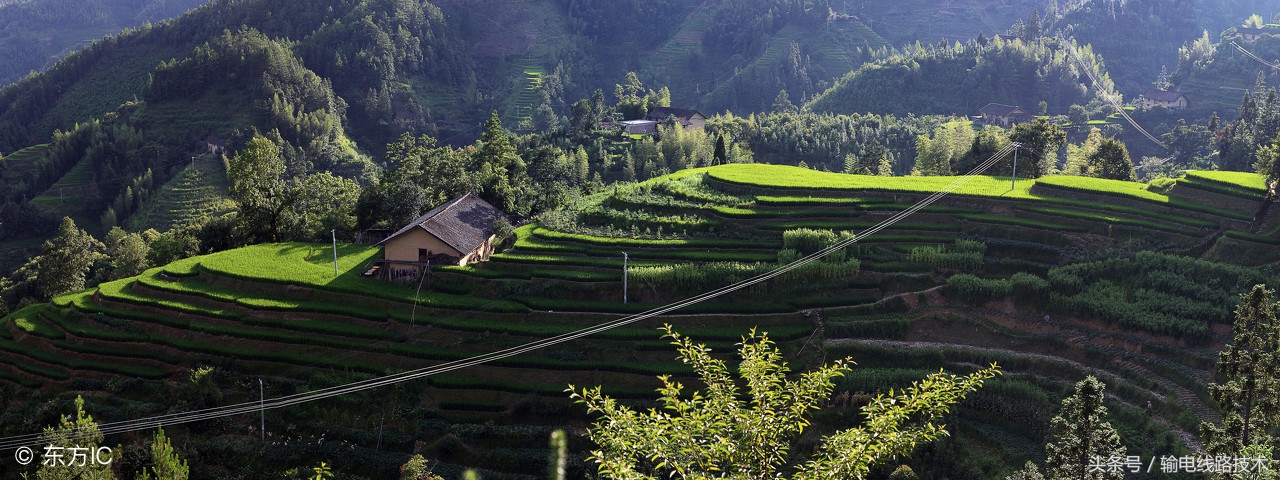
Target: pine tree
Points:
(1081, 437)
(1250, 397)
(166, 465)
(64, 267)
(720, 157)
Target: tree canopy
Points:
(751, 432)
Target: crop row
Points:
(29, 320)
(533, 243)
(836, 225)
(1249, 237)
(1220, 188)
(288, 264)
(539, 303)
(69, 361)
(411, 351)
(1131, 190)
(1098, 217)
(806, 201)
(640, 242)
(1246, 181)
(1021, 222)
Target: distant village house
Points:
(459, 232)
(1170, 100)
(689, 119)
(214, 145)
(1004, 115)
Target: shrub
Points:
(976, 290)
(1029, 289)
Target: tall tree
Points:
(257, 186)
(1268, 163)
(1081, 437)
(67, 259)
(1040, 141)
(165, 463)
(721, 432)
(1111, 160)
(1250, 396)
(503, 176)
(80, 431)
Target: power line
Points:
(1106, 95)
(1255, 57)
(288, 400)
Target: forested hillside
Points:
(34, 34)
(962, 78)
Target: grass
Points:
(641, 242)
(311, 265)
(1097, 217)
(536, 244)
(1244, 180)
(788, 177)
(836, 225)
(194, 193)
(1021, 222)
(795, 200)
(1132, 190)
(29, 320)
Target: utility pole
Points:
(1013, 183)
(262, 411)
(193, 162)
(334, 232)
(624, 278)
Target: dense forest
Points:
(35, 34)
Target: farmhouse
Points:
(214, 145)
(458, 232)
(1003, 115)
(1170, 100)
(689, 119)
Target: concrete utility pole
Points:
(1014, 182)
(334, 232)
(262, 412)
(624, 278)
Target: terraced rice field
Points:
(279, 311)
(194, 193)
(23, 162)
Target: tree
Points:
(1250, 396)
(66, 260)
(1081, 437)
(1111, 160)
(417, 469)
(502, 175)
(256, 185)
(166, 465)
(322, 202)
(1028, 472)
(127, 253)
(721, 432)
(782, 103)
(79, 431)
(1268, 163)
(1040, 142)
(1077, 115)
(721, 156)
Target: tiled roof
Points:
(463, 223)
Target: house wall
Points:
(480, 254)
(405, 247)
(696, 122)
